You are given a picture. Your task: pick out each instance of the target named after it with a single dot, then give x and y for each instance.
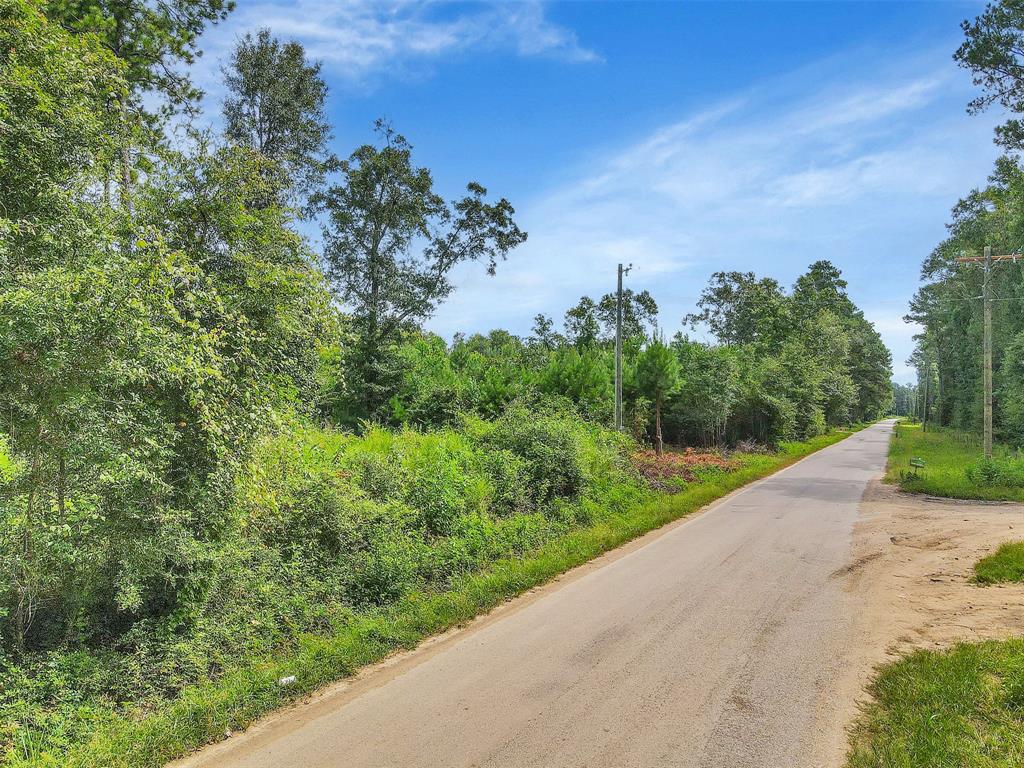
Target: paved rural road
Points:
(724, 642)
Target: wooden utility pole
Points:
(986, 297)
(927, 378)
(618, 353)
(987, 300)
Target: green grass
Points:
(1005, 565)
(952, 463)
(202, 713)
(961, 708)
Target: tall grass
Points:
(953, 465)
(203, 713)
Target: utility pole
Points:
(619, 352)
(927, 378)
(986, 297)
(618, 347)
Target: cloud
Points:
(860, 168)
(362, 41)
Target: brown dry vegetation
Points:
(673, 469)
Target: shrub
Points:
(1002, 471)
(390, 566)
(550, 447)
(509, 482)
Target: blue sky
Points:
(684, 138)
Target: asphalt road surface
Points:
(723, 642)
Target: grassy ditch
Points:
(150, 734)
(954, 467)
(946, 709)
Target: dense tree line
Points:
(905, 400)
(948, 305)
(787, 365)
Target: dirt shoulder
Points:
(911, 569)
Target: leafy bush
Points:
(1003, 471)
(550, 447)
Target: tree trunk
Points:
(659, 445)
(25, 609)
(126, 179)
(125, 159)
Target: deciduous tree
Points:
(275, 106)
(391, 244)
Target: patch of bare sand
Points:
(910, 576)
(914, 560)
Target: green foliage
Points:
(904, 397)
(1005, 471)
(550, 447)
(1006, 564)
(432, 392)
(700, 409)
(657, 377)
(639, 314)
(657, 370)
(514, 555)
(275, 106)
(150, 39)
(949, 351)
(582, 328)
(808, 360)
(328, 526)
(739, 308)
(53, 128)
(582, 377)
(1011, 391)
(993, 54)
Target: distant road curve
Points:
(725, 642)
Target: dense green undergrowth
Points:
(946, 709)
(350, 548)
(953, 465)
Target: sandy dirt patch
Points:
(911, 572)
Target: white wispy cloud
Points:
(362, 42)
(861, 170)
